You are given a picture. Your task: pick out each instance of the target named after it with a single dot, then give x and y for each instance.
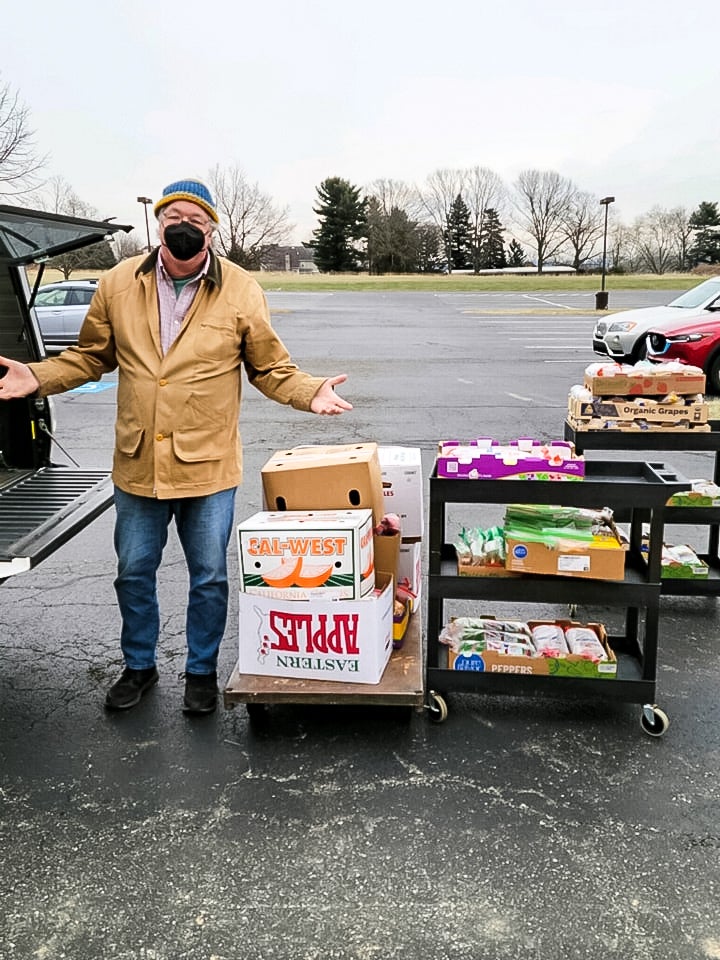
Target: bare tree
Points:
(655, 240)
(249, 220)
(395, 195)
(483, 190)
(542, 202)
(19, 160)
(437, 196)
(680, 219)
(126, 245)
(58, 196)
(582, 226)
(621, 251)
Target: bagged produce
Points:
(585, 643)
(549, 640)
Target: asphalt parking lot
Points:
(520, 828)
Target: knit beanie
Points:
(191, 190)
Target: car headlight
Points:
(687, 338)
(622, 326)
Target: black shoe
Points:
(127, 691)
(200, 692)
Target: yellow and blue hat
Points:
(192, 190)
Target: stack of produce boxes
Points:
(316, 582)
(644, 397)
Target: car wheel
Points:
(639, 351)
(712, 375)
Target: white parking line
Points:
(517, 396)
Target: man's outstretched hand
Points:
(16, 379)
(326, 400)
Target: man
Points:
(179, 325)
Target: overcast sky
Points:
(619, 95)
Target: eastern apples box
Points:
(523, 459)
(298, 555)
(340, 477)
(344, 640)
(603, 559)
(571, 665)
(690, 410)
(654, 382)
(402, 482)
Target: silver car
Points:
(61, 309)
(622, 336)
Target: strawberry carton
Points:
(302, 555)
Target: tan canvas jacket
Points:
(176, 430)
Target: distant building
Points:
(290, 259)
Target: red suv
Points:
(696, 342)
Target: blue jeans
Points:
(204, 525)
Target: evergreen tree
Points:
(459, 234)
(491, 252)
(706, 244)
(343, 224)
(393, 242)
(515, 255)
(431, 249)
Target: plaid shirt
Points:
(173, 308)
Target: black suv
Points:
(41, 505)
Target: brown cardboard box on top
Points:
(339, 477)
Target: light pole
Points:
(601, 299)
(145, 201)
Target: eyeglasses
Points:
(202, 223)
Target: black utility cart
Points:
(645, 441)
(639, 491)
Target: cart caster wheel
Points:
(653, 720)
(572, 610)
(438, 707)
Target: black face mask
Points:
(183, 240)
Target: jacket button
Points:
(159, 437)
(163, 383)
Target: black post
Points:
(601, 298)
(145, 201)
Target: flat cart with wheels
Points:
(655, 441)
(640, 490)
(401, 684)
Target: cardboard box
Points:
(603, 559)
(400, 623)
(402, 482)
(387, 553)
(655, 382)
(345, 640)
(410, 570)
(523, 459)
(571, 665)
(342, 477)
(690, 410)
(298, 555)
(637, 426)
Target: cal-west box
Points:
(344, 640)
(303, 554)
(339, 477)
